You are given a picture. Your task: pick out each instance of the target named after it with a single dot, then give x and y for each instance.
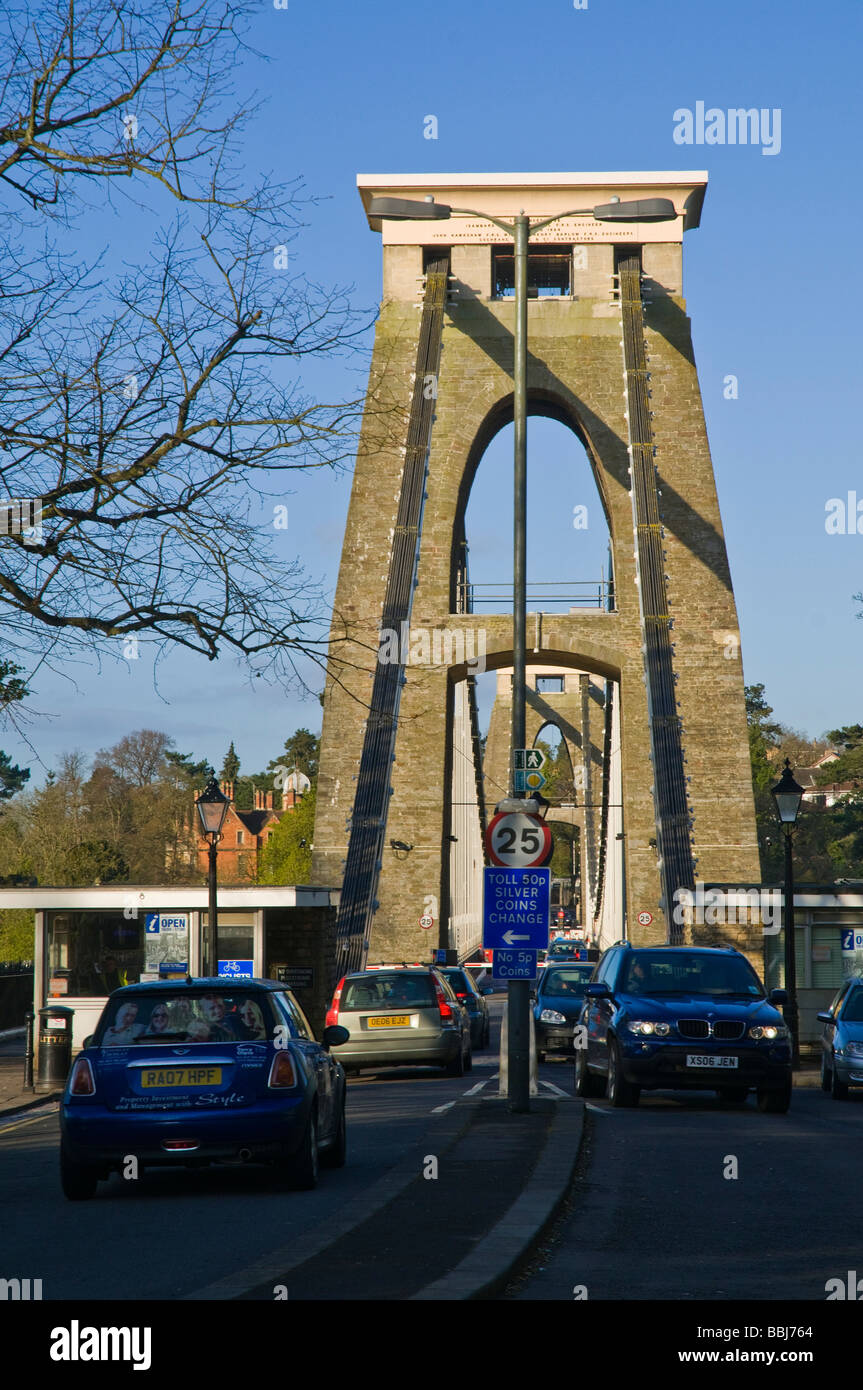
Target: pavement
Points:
(13, 1097)
(499, 1179)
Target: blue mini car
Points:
(683, 1018)
(202, 1071)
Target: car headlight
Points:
(768, 1031)
(647, 1028)
(552, 1016)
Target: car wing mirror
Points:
(335, 1035)
(88, 1042)
(595, 990)
(779, 996)
(824, 1018)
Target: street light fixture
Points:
(788, 795)
(520, 229)
(212, 807)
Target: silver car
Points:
(842, 1040)
(401, 1016)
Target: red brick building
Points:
(244, 834)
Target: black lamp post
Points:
(788, 795)
(520, 229)
(212, 807)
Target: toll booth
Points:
(90, 941)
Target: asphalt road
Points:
(172, 1233)
(654, 1216)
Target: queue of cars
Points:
(211, 1070)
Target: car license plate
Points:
(181, 1076)
(694, 1059)
(390, 1021)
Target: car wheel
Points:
(468, 1061)
(619, 1091)
(733, 1095)
(456, 1066)
(78, 1182)
(334, 1157)
(826, 1076)
(774, 1102)
(586, 1084)
(302, 1169)
(838, 1089)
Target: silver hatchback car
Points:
(842, 1040)
(401, 1016)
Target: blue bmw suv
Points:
(683, 1018)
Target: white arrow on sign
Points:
(510, 937)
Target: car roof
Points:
(690, 950)
(199, 981)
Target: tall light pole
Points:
(788, 795)
(212, 807)
(521, 229)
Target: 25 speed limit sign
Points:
(517, 840)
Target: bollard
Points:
(30, 1019)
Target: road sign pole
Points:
(518, 991)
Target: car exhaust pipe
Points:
(245, 1155)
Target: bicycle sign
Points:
(517, 840)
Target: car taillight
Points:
(81, 1081)
(333, 1011)
(460, 996)
(282, 1071)
(444, 1009)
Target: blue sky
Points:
(769, 276)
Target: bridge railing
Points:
(552, 596)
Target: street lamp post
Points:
(520, 229)
(212, 807)
(788, 795)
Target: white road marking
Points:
(478, 1087)
(439, 1109)
(557, 1091)
(597, 1109)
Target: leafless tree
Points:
(155, 410)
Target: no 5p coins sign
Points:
(517, 840)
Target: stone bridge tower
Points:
(440, 389)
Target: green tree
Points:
(231, 765)
(302, 751)
(287, 856)
(16, 935)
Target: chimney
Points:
(228, 790)
(269, 805)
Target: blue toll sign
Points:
(516, 908)
(513, 965)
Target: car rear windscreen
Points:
(216, 1016)
(388, 991)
